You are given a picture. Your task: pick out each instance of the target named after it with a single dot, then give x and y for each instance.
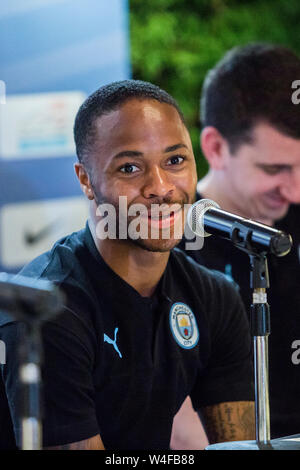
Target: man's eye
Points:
(128, 168)
(176, 160)
(273, 170)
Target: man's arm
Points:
(230, 421)
(93, 443)
(187, 430)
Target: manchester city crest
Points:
(183, 325)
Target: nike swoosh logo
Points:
(31, 238)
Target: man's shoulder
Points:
(65, 265)
(60, 261)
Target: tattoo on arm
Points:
(232, 421)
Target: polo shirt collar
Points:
(161, 292)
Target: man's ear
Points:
(214, 147)
(84, 180)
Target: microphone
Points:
(205, 218)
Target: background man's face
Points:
(143, 151)
(263, 178)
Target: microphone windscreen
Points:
(195, 216)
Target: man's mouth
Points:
(162, 216)
(164, 219)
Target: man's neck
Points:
(212, 187)
(140, 268)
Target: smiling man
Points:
(157, 174)
(251, 139)
(144, 325)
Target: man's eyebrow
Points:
(128, 153)
(279, 166)
(135, 153)
(175, 147)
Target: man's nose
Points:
(290, 188)
(157, 183)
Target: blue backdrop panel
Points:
(56, 46)
(63, 45)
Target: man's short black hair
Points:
(109, 98)
(251, 84)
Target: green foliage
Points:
(175, 42)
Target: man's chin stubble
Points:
(162, 247)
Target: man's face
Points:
(263, 177)
(143, 151)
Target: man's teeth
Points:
(161, 216)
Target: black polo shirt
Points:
(284, 300)
(120, 364)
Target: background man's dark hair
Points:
(109, 98)
(251, 84)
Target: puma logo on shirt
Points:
(113, 342)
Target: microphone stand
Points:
(31, 302)
(260, 331)
(30, 355)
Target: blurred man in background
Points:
(251, 140)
